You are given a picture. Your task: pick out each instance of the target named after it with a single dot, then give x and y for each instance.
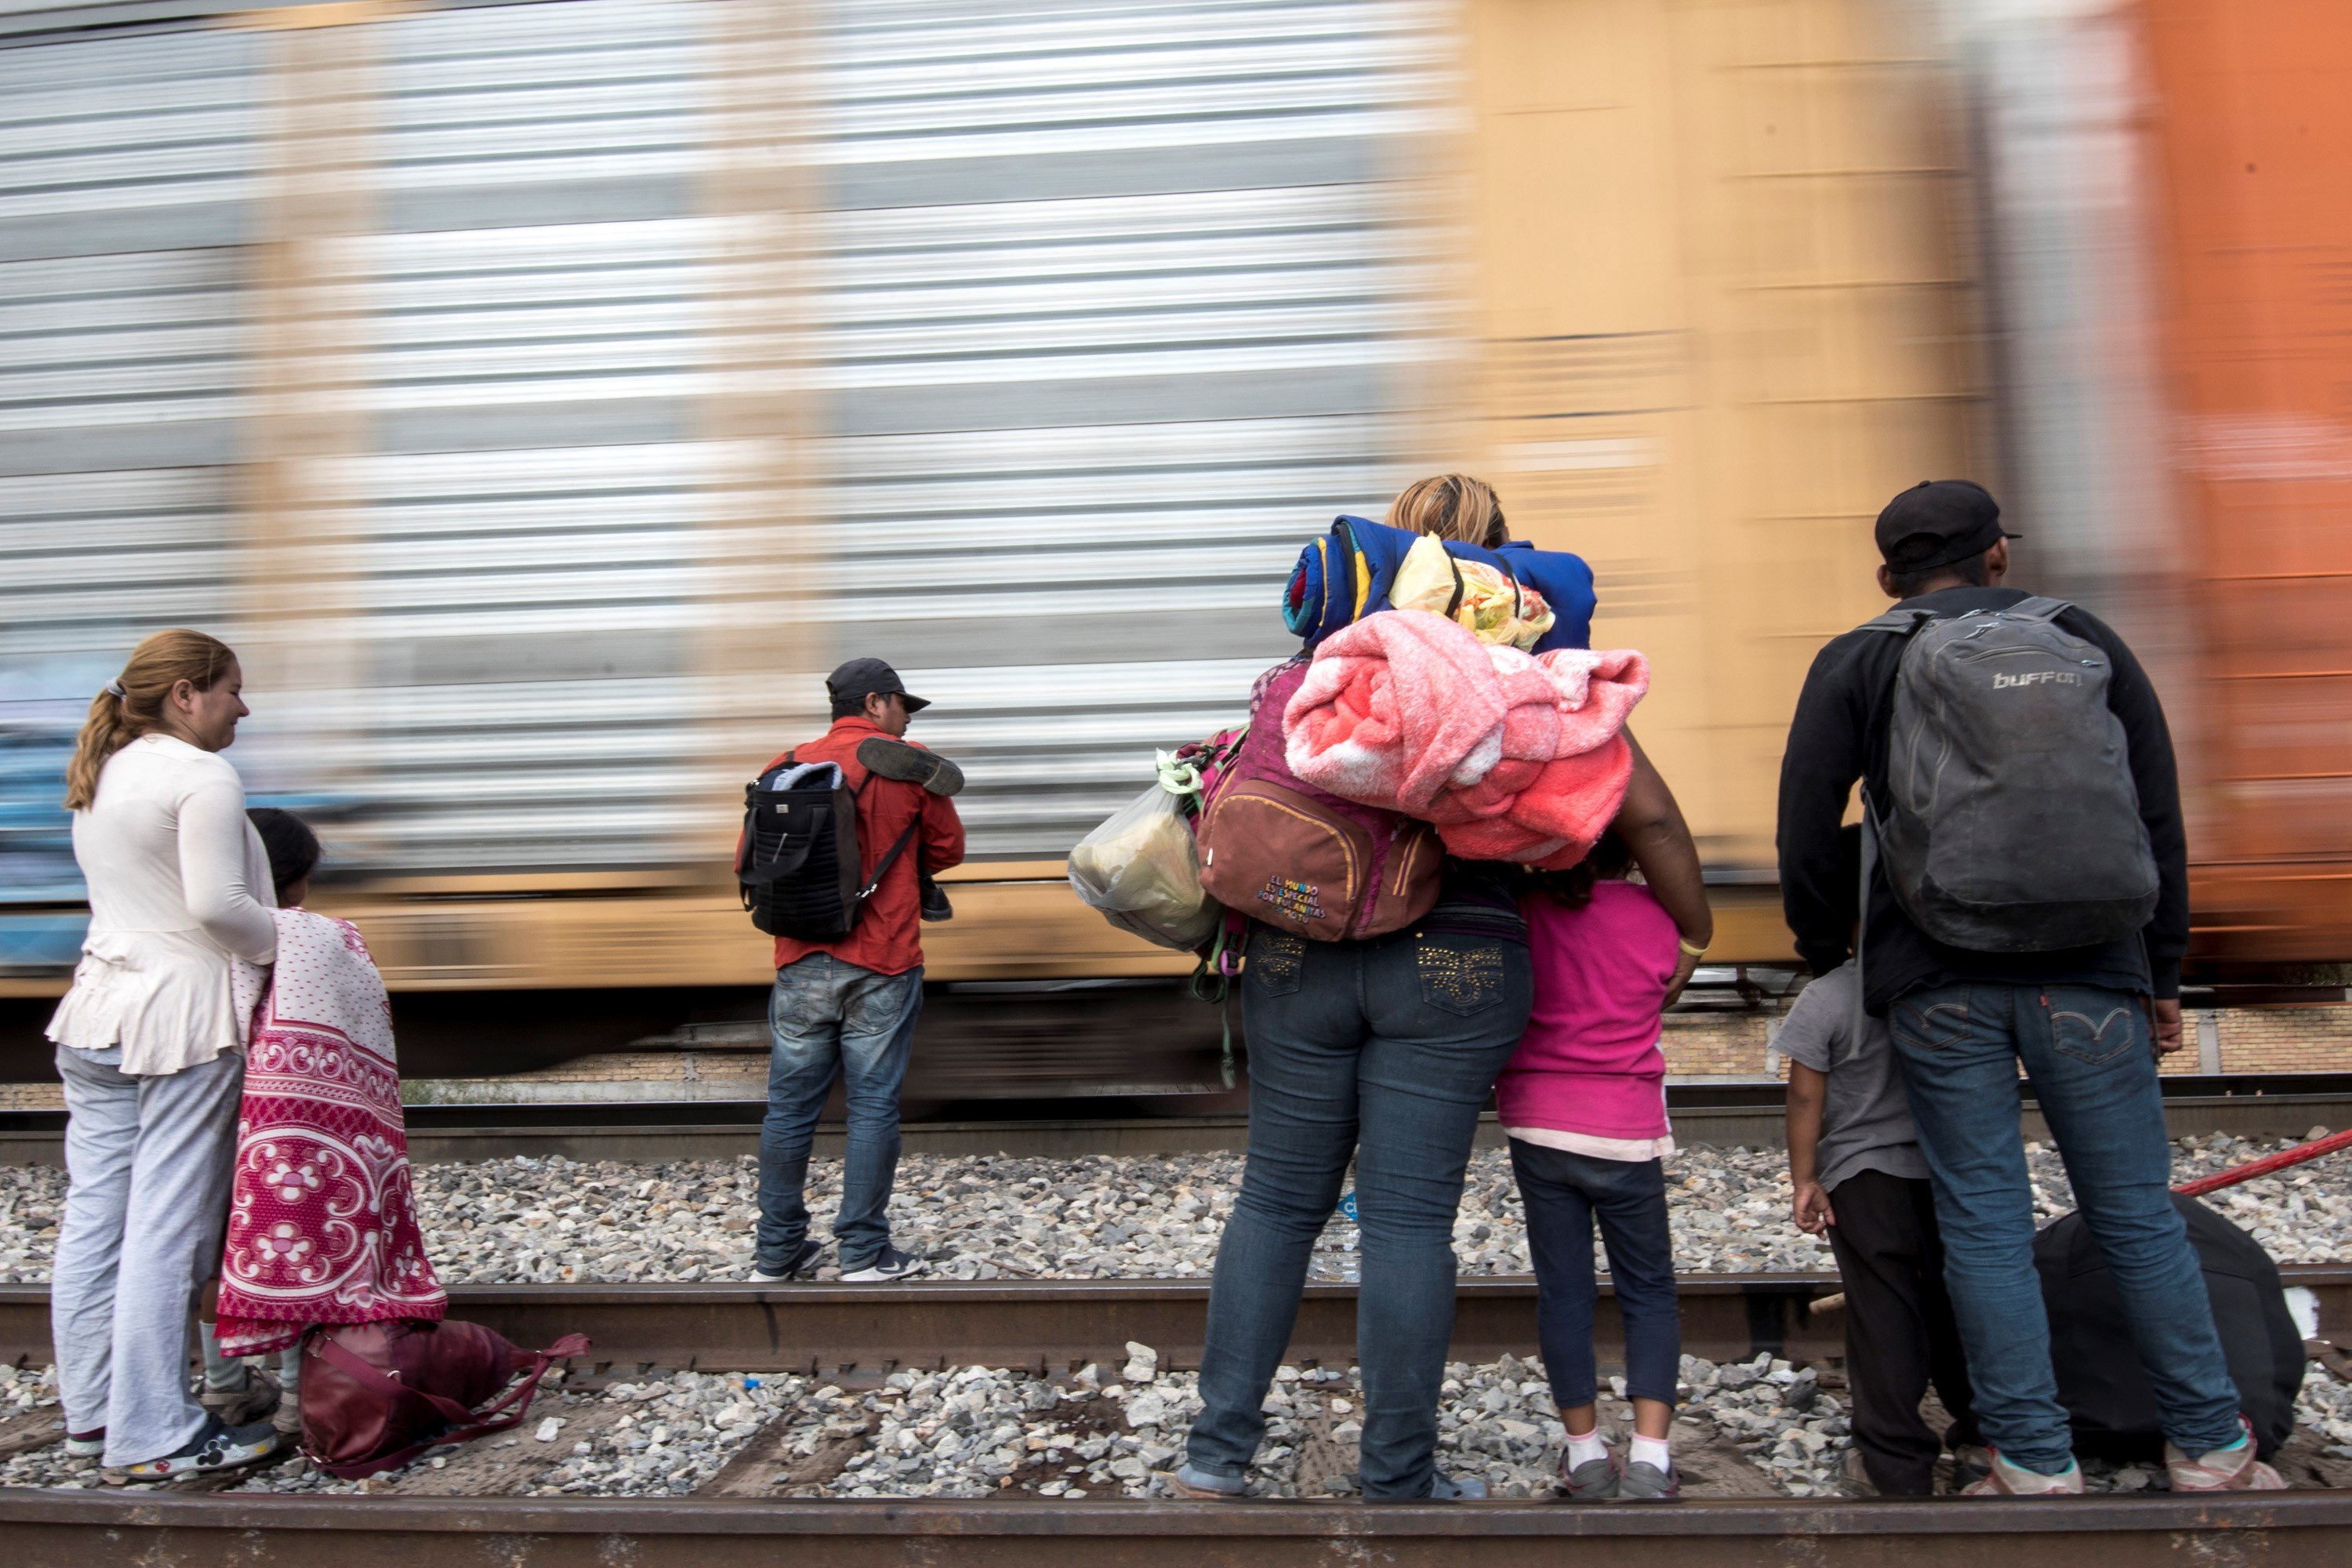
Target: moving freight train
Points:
(541, 397)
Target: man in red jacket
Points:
(849, 1007)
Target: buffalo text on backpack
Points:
(2010, 821)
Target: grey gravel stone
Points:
(972, 1432)
(1096, 1216)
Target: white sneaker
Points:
(2231, 1469)
(891, 1265)
(2006, 1479)
(216, 1448)
(86, 1445)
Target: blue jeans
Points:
(2087, 1051)
(831, 1017)
(1385, 1050)
(1564, 1194)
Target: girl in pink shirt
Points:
(1584, 1102)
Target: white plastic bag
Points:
(1139, 868)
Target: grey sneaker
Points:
(1193, 1481)
(1644, 1482)
(892, 1264)
(236, 1406)
(1451, 1489)
(908, 763)
(1971, 1462)
(1595, 1480)
(804, 1263)
(216, 1448)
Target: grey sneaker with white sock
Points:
(1644, 1482)
(1595, 1480)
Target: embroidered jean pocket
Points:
(1462, 977)
(1276, 962)
(2094, 1027)
(1928, 1026)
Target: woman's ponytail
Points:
(104, 733)
(133, 703)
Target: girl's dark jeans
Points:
(1564, 1195)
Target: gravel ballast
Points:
(1098, 1216)
(1759, 1428)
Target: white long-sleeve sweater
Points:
(179, 894)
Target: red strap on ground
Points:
(2265, 1165)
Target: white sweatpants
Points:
(147, 1161)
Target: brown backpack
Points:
(1278, 850)
(375, 1395)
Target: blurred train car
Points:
(2171, 286)
(543, 395)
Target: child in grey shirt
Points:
(1854, 1161)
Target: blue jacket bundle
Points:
(1345, 574)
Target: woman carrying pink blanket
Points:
(323, 1221)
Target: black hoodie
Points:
(1849, 682)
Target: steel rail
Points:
(1055, 1325)
(1742, 1117)
(229, 1530)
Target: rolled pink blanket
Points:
(1513, 758)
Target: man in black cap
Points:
(847, 1008)
(2086, 1022)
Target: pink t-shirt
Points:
(1591, 1063)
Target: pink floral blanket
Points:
(1513, 757)
(323, 1221)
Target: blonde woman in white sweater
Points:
(150, 1044)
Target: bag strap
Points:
(1898, 620)
(1862, 923)
(2037, 608)
(464, 1425)
(891, 859)
(1908, 624)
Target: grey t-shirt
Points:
(1866, 1120)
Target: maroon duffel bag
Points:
(375, 1395)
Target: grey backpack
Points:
(2010, 822)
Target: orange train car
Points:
(2251, 221)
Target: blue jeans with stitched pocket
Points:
(1384, 1050)
(826, 1017)
(2087, 1051)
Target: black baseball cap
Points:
(1936, 522)
(863, 677)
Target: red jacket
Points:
(887, 938)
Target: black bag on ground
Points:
(2100, 1382)
(2012, 819)
(797, 864)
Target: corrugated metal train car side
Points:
(544, 395)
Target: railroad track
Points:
(1704, 1115)
(1056, 1325)
(854, 1333)
(82, 1530)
